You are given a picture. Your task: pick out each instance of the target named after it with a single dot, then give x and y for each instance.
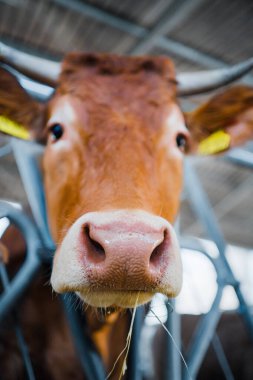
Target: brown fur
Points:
(113, 154)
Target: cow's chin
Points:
(121, 299)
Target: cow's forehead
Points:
(119, 89)
(109, 77)
(114, 65)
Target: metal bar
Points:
(189, 53)
(194, 244)
(103, 16)
(230, 200)
(241, 156)
(4, 150)
(26, 155)
(20, 338)
(89, 359)
(244, 310)
(22, 280)
(174, 15)
(25, 353)
(202, 207)
(203, 210)
(221, 357)
(172, 368)
(203, 336)
(133, 369)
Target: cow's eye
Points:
(56, 132)
(181, 140)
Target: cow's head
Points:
(114, 144)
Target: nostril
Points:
(95, 250)
(158, 256)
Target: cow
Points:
(115, 140)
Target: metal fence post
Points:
(172, 369)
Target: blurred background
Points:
(197, 35)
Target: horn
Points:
(204, 81)
(40, 69)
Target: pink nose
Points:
(124, 250)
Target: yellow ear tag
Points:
(215, 143)
(12, 128)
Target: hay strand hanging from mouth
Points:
(127, 345)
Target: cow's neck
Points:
(109, 334)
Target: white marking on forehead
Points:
(175, 119)
(63, 112)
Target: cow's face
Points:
(113, 178)
(113, 170)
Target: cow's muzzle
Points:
(111, 258)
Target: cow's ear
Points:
(20, 115)
(224, 122)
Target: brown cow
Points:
(114, 140)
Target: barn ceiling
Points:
(197, 34)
